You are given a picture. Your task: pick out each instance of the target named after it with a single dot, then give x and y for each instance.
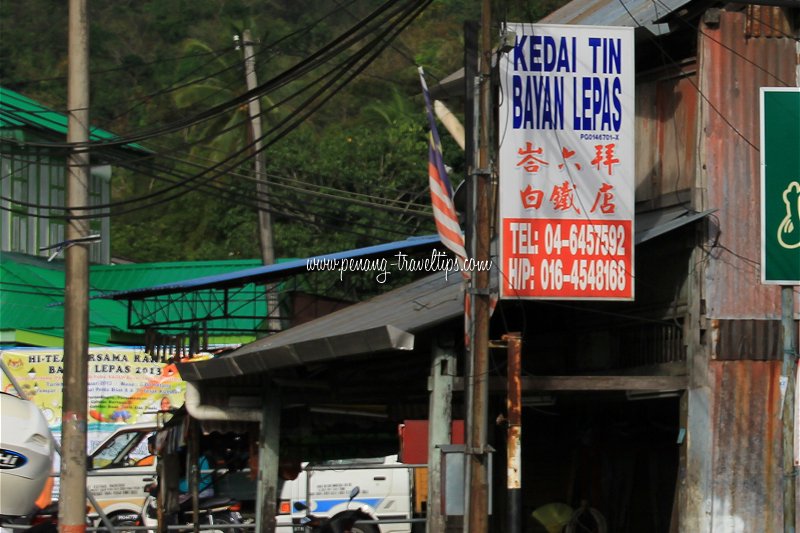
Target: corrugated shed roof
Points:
(32, 291)
(386, 322)
(17, 111)
(263, 274)
(107, 278)
(616, 13)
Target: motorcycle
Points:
(39, 521)
(216, 510)
(343, 522)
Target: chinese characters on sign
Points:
(566, 163)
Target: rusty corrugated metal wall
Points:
(738, 53)
(733, 67)
(747, 437)
(666, 126)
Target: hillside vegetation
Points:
(351, 173)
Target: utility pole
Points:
(477, 514)
(264, 216)
(72, 500)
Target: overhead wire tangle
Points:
(231, 157)
(265, 47)
(280, 133)
(325, 53)
(289, 212)
(343, 192)
(381, 16)
(115, 69)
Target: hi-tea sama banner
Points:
(125, 386)
(567, 163)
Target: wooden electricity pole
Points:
(72, 500)
(477, 513)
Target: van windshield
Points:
(124, 449)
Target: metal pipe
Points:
(789, 374)
(201, 411)
(514, 443)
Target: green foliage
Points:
(156, 61)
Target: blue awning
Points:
(268, 273)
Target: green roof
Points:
(18, 111)
(32, 295)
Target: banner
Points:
(567, 163)
(125, 386)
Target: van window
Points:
(124, 449)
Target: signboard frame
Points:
(567, 165)
(780, 181)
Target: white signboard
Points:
(567, 163)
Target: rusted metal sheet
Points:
(615, 13)
(755, 340)
(746, 489)
(666, 125)
(767, 21)
(732, 69)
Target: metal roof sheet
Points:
(386, 322)
(616, 13)
(32, 291)
(18, 111)
(264, 274)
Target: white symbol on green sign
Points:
(789, 230)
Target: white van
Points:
(118, 471)
(385, 493)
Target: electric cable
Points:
(383, 14)
(280, 133)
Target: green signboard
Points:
(780, 185)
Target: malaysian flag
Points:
(444, 213)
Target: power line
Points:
(383, 15)
(282, 128)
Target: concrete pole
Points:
(440, 416)
(268, 453)
(264, 216)
(789, 373)
(477, 514)
(72, 500)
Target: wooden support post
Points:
(440, 411)
(268, 449)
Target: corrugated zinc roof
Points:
(616, 13)
(263, 274)
(386, 322)
(32, 291)
(18, 111)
